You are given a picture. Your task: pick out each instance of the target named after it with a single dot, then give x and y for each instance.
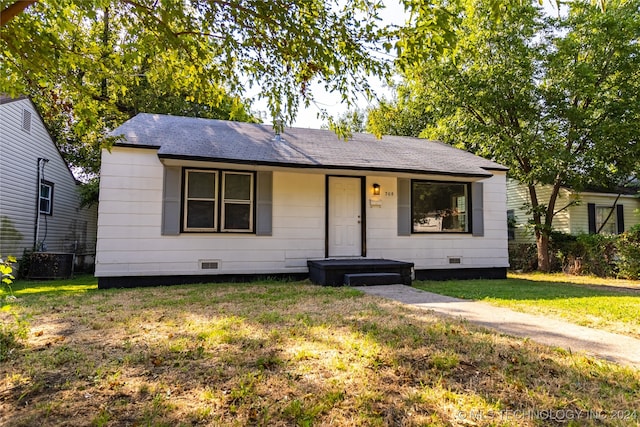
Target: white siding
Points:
(432, 251)
(68, 228)
(130, 241)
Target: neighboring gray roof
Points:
(247, 143)
(5, 99)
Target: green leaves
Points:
(553, 99)
(90, 65)
(557, 100)
(6, 270)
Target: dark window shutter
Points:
(171, 191)
(591, 213)
(620, 218)
(264, 203)
(511, 221)
(477, 206)
(404, 207)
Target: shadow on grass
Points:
(292, 354)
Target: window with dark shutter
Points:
(218, 201)
(440, 207)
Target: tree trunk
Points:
(542, 243)
(543, 220)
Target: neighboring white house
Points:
(578, 212)
(39, 202)
(186, 199)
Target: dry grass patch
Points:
(288, 354)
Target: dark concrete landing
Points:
(331, 272)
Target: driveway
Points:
(557, 333)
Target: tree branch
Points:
(613, 207)
(548, 220)
(14, 9)
(572, 203)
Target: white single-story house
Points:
(193, 200)
(585, 212)
(39, 200)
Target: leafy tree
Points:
(406, 115)
(87, 51)
(557, 100)
(91, 65)
(351, 120)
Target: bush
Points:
(628, 246)
(601, 255)
(24, 264)
(589, 254)
(523, 257)
(598, 253)
(563, 249)
(6, 271)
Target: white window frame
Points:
(206, 199)
(49, 199)
(219, 201)
(249, 202)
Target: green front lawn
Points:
(283, 354)
(40, 288)
(608, 304)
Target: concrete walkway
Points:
(606, 345)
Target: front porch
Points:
(360, 271)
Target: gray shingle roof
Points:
(247, 143)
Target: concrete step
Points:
(363, 279)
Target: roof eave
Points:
(496, 168)
(324, 166)
(143, 146)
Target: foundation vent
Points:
(209, 264)
(455, 260)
